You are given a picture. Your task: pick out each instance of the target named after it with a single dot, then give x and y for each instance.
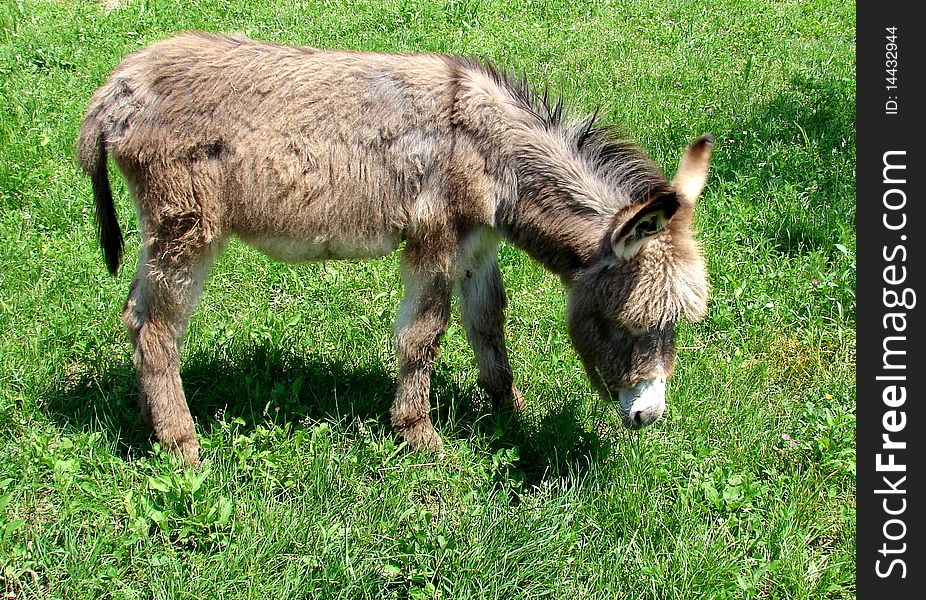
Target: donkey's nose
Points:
(639, 418)
(644, 403)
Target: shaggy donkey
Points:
(311, 155)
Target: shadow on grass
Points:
(265, 384)
(555, 444)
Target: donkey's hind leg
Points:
(161, 300)
(482, 304)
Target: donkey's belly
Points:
(301, 250)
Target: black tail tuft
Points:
(107, 225)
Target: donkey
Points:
(311, 154)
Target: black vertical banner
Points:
(891, 254)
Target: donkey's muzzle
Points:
(644, 403)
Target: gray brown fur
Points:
(310, 155)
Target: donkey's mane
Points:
(617, 161)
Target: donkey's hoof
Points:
(188, 450)
(421, 436)
(513, 401)
(517, 400)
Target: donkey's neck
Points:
(557, 214)
(559, 184)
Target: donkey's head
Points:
(623, 309)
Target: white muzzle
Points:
(643, 403)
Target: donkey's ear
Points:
(692, 170)
(630, 236)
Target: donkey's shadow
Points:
(265, 384)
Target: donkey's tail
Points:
(91, 155)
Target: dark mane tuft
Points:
(619, 162)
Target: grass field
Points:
(745, 490)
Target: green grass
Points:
(289, 369)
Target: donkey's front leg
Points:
(482, 304)
(423, 318)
